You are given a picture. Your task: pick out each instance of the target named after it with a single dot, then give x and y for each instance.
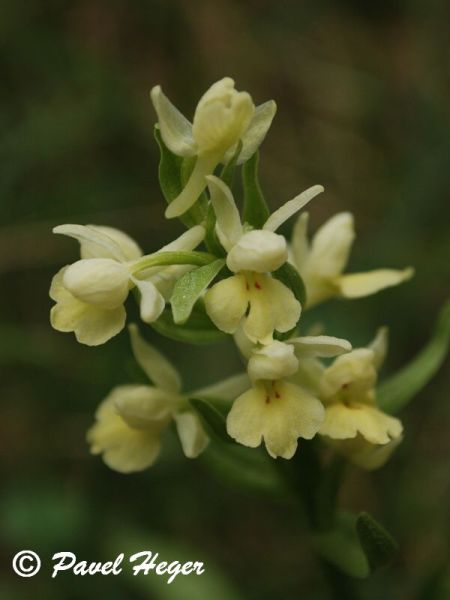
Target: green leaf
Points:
(213, 420)
(189, 288)
(248, 469)
(255, 210)
(169, 170)
(291, 278)
(211, 240)
(340, 546)
(227, 174)
(399, 389)
(173, 172)
(378, 545)
(198, 329)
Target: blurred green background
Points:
(363, 93)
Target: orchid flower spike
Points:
(321, 263)
(223, 117)
(90, 293)
(274, 409)
(132, 418)
(252, 256)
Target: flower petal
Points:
(379, 347)
(245, 421)
(204, 165)
(364, 454)
(291, 207)
(124, 449)
(358, 285)
(295, 414)
(244, 344)
(152, 302)
(101, 282)
(346, 421)
(331, 246)
(320, 345)
(352, 375)
(191, 433)
(176, 130)
(226, 302)
(309, 375)
(189, 240)
(256, 131)
(92, 325)
(227, 389)
(130, 250)
(144, 406)
(280, 418)
(99, 243)
(273, 306)
(229, 227)
(222, 116)
(300, 243)
(259, 251)
(158, 369)
(272, 361)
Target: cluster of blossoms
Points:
(249, 283)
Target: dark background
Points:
(363, 94)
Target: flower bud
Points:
(274, 361)
(100, 281)
(143, 406)
(259, 251)
(221, 117)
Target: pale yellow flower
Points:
(223, 117)
(252, 295)
(90, 293)
(321, 263)
(274, 410)
(130, 421)
(365, 454)
(348, 391)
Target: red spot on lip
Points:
(257, 285)
(267, 399)
(344, 386)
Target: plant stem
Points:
(317, 488)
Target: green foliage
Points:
(356, 545)
(248, 469)
(228, 171)
(378, 545)
(189, 288)
(255, 210)
(400, 389)
(291, 278)
(198, 329)
(211, 240)
(173, 172)
(212, 419)
(340, 546)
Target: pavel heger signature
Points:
(145, 562)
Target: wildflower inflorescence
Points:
(230, 273)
